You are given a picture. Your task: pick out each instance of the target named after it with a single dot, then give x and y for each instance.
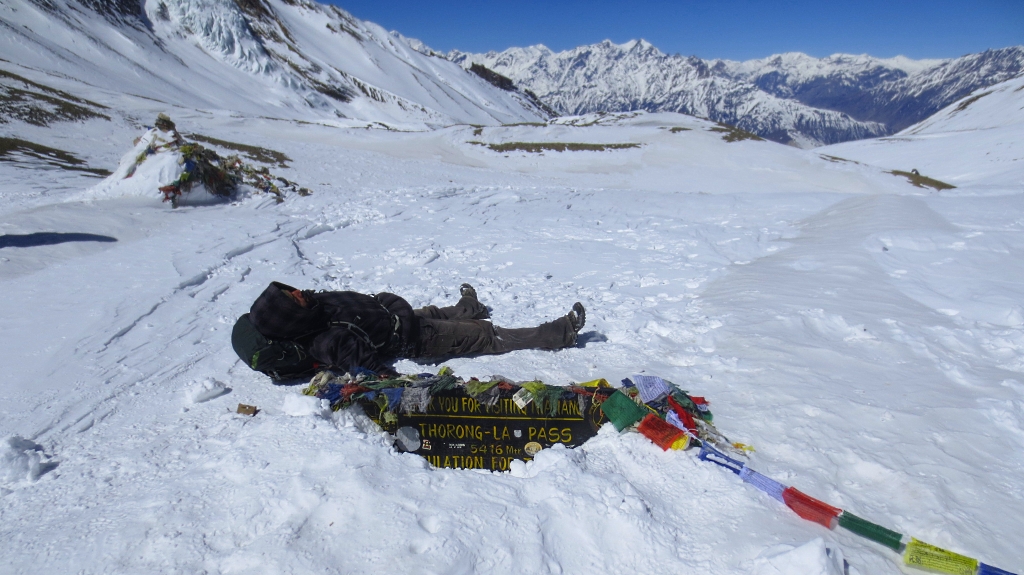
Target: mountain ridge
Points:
(304, 60)
(790, 98)
(897, 92)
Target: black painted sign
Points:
(458, 431)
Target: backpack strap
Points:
(361, 334)
(396, 324)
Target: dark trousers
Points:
(459, 330)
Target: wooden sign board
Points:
(458, 431)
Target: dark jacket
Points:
(341, 329)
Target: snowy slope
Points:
(294, 59)
(864, 335)
(979, 139)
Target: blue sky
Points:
(734, 29)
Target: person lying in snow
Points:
(354, 330)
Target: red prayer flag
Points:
(810, 508)
(662, 433)
(684, 415)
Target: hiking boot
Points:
(577, 317)
(467, 291)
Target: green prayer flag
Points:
(622, 411)
(869, 530)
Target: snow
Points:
(21, 461)
(811, 558)
(884, 381)
(205, 390)
(138, 172)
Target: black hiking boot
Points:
(467, 290)
(577, 318)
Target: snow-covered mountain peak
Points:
(640, 45)
(798, 66)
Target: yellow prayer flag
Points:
(924, 556)
(682, 443)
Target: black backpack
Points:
(280, 359)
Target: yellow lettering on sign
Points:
(501, 463)
(568, 408)
(922, 555)
(470, 405)
(465, 461)
(552, 434)
(451, 431)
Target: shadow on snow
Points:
(49, 239)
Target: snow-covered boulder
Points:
(21, 460)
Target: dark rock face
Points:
(506, 84)
(122, 11)
(494, 78)
(257, 9)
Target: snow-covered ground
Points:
(864, 335)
